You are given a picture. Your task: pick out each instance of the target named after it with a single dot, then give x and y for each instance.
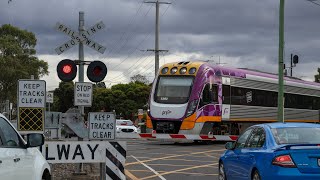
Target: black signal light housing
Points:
(66, 70)
(96, 71)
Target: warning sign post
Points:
(31, 106)
(102, 125)
(83, 94)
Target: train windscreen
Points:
(173, 90)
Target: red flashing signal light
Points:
(67, 70)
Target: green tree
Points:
(102, 100)
(17, 60)
(317, 76)
(63, 97)
(139, 78)
(125, 99)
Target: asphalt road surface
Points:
(168, 161)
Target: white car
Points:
(20, 159)
(125, 126)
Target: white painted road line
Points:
(155, 172)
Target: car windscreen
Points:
(173, 89)
(124, 123)
(296, 135)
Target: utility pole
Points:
(81, 76)
(281, 69)
(156, 50)
(81, 55)
(219, 63)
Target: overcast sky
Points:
(243, 33)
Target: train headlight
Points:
(192, 107)
(174, 70)
(164, 70)
(183, 70)
(192, 70)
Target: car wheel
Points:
(46, 176)
(222, 174)
(256, 175)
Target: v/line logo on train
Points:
(204, 98)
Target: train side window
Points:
(209, 95)
(214, 92)
(226, 94)
(256, 97)
(238, 96)
(316, 103)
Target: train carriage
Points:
(199, 98)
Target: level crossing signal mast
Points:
(67, 70)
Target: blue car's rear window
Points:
(296, 135)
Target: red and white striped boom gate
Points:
(209, 137)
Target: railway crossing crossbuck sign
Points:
(76, 38)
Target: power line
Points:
(128, 37)
(131, 52)
(136, 63)
(144, 67)
(136, 49)
(153, 50)
(146, 37)
(129, 24)
(140, 62)
(312, 1)
(131, 72)
(124, 77)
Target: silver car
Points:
(126, 126)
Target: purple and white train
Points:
(201, 98)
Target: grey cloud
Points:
(245, 30)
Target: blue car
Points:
(287, 151)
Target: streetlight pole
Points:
(280, 66)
